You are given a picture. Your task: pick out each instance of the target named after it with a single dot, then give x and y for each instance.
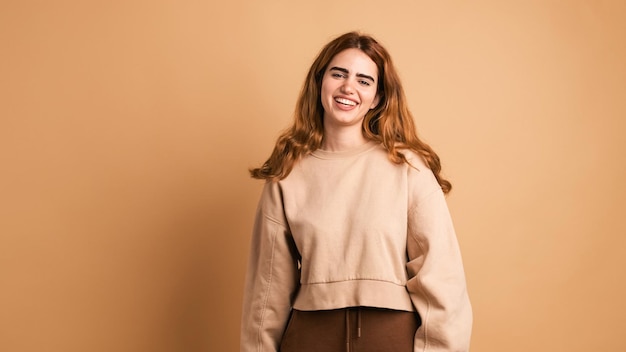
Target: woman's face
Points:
(349, 88)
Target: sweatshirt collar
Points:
(325, 154)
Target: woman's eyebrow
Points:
(341, 69)
(361, 75)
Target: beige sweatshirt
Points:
(349, 229)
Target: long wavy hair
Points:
(390, 123)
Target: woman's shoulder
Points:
(419, 175)
(415, 160)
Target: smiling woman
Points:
(353, 248)
(348, 93)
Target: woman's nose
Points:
(347, 86)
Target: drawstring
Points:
(358, 319)
(347, 330)
(358, 326)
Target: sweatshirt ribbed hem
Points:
(369, 293)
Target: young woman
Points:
(353, 248)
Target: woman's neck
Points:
(336, 140)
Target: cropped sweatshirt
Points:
(352, 228)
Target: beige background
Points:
(126, 128)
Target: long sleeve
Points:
(436, 278)
(272, 277)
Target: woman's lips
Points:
(345, 104)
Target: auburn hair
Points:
(390, 123)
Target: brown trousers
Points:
(358, 329)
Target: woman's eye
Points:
(365, 83)
(337, 75)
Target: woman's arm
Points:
(436, 276)
(272, 276)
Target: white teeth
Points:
(345, 101)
